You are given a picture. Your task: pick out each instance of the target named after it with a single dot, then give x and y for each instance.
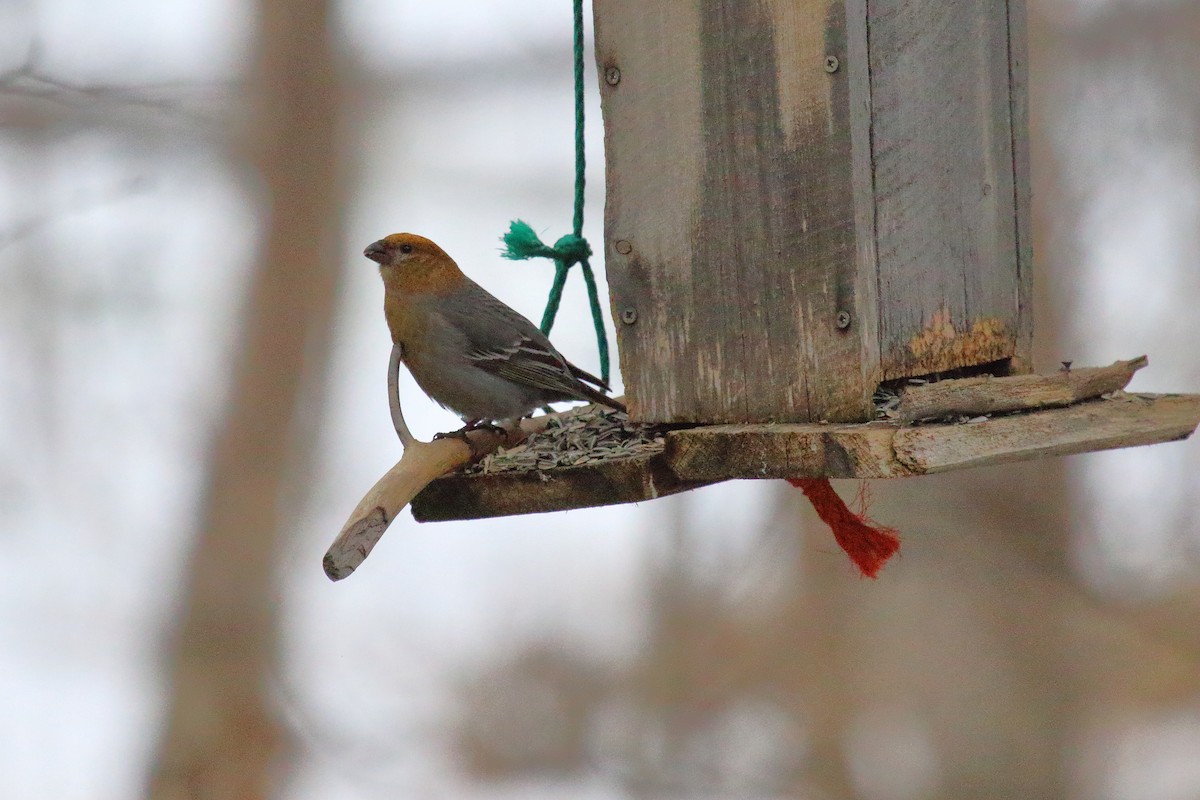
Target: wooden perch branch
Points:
(980, 396)
(421, 463)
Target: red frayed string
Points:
(868, 545)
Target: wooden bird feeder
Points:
(817, 231)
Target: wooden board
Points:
(988, 395)
(1128, 421)
(889, 450)
(731, 241)
(501, 494)
(943, 144)
(808, 197)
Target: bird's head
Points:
(413, 262)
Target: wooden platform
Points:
(885, 449)
(592, 456)
(927, 427)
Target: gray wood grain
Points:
(754, 195)
(730, 179)
(943, 152)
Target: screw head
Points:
(843, 319)
(624, 247)
(629, 316)
(612, 76)
(832, 64)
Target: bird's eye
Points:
(406, 248)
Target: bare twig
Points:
(182, 105)
(28, 81)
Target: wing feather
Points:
(504, 343)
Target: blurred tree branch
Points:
(30, 97)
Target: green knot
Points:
(521, 243)
(573, 249)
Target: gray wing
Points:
(506, 344)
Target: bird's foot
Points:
(461, 433)
(479, 425)
(472, 425)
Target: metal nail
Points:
(612, 76)
(843, 319)
(832, 64)
(629, 316)
(624, 247)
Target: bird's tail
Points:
(585, 378)
(601, 398)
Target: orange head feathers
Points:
(412, 263)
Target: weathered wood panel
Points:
(943, 146)
(889, 450)
(730, 226)
(775, 168)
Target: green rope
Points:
(522, 243)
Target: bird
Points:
(466, 349)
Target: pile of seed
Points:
(588, 436)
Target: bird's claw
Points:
(461, 433)
(473, 425)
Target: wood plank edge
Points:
(1134, 420)
(628, 480)
(892, 450)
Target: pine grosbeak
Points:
(466, 349)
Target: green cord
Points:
(521, 242)
(580, 163)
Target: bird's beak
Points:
(376, 252)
